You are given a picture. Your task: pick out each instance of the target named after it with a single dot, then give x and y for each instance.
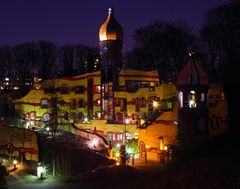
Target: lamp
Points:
(14, 164)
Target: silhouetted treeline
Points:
(20, 63)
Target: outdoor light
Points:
(47, 129)
(85, 120)
(117, 163)
(155, 104)
(27, 125)
(118, 145)
(117, 155)
(127, 121)
(94, 143)
(129, 150)
(165, 148)
(40, 171)
(14, 164)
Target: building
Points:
(200, 112)
(119, 103)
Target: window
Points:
(110, 136)
(97, 89)
(128, 136)
(180, 99)
(64, 89)
(202, 97)
(137, 105)
(98, 115)
(32, 115)
(143, 102)
(123, 105)
(132, 86)
(81, 103)
(73, 104)
(79, 89)
(192, 99)
(44, 103)
(46, 117)
(119, 136)
(117, 102)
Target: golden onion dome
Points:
(110, 29)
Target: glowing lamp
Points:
(165, 148)
(117, 155)
(14, 164)
(155, 104)
(127, 121)
(40, 171)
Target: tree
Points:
(26, 62)
(67, 60)
(48, 56)
(138, 59)
(86, 59)
(164, 45)
(221, 32)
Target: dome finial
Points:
(110, 10)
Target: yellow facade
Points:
(31, 108)
(161, 132)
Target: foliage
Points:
(162, 46)
(221, 33)
(133, 145)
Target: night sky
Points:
(78, 21)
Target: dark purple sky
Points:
(78, 21)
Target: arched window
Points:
(64, 89)
(46, 117)
(180, 99)
(192, 99)
(128, 136)
(44, 103)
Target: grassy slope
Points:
(219, 168)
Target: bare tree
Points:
(165, 46)
(26, 60)
(48, 56)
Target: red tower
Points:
(192, 86)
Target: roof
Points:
(192, 73)
(111, 29)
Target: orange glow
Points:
(117, 155)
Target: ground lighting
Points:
(14, 164)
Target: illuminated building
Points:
(103, 100)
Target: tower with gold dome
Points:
(110, 44)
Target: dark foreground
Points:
(219, 168)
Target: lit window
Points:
(46, 117)
(202, 97)
(44, 103)
(98, 102)
(180, 99)
(128, 136)
(192, 99)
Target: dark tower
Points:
(192, 86)
(110, 44)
